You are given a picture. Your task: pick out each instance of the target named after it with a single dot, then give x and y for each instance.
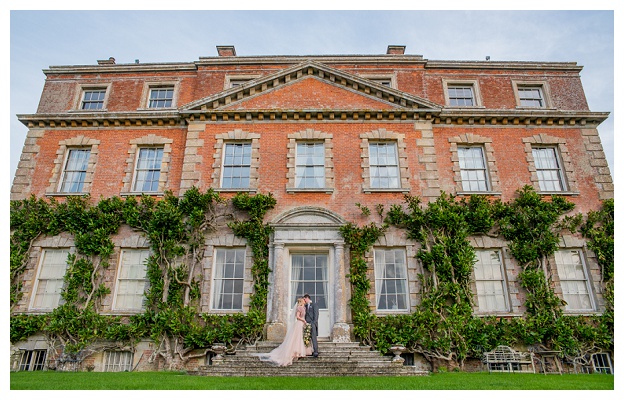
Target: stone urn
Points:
(219, 349)
(397, 349)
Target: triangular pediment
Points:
(293, 88)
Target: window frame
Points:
(586, 280)
(215, 265)
(224, 166)
(390, 78)
(322, 165)
(560, 171)
(31, 364)
(380, 280)
(474, 86)
(244, 78)
(116, 292)
(64, 171)
(101, 101)
(373, 167)
(108, 366)
(136, 169)
(541, 85)
(80, 93)
(37, 280)
(486, 173)
(504, 283)
(147, 90)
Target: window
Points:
(391, 279)
(383, 81)
(473, 169)
(310, 165)
(47, 290)
(309, 275)
(33, 360)
(602, 363)
(161, 97)
(490, 281)
(236, 165)
(574, 281)
(229, 272)
(131, 280)
(384, 167)
(75, 170)
(460, 96)
(147, 171)
(93, 99)
(530, 96)
(548, 169)
(238, 82)
(118, 361)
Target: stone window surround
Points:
(115, 281)
(374, 282)
(543, 85)
(149, 85)
(473, 83)
(237, 135)
(238, 77)
(473, 285)
(559, 144)
(35, 282)
(382, 135)
(310, 135)
(78, 142)
(225, 241)
(391, 77)
(472, 140)
(150, 140)
(82, 88)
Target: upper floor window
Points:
(490, 281)
(548, 168)
(531, 96)
(461, 96)
(574, 280)
(49, 282)
(161, 97)
(93, 99)
(236, 166)
(131, 280)
(75, 170)
(232, 81)
(384, 165)
(228, 277)
(147, 171)
(391, 279)
(310, 165)
(473, 169)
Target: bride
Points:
(292, 347)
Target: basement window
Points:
(33, 360)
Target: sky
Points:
(39, 39)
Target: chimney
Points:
(226, 51)
(110, 60)
(393, 49)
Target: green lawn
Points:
(50, 380)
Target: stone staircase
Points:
(335, 359)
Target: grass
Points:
(50, 380)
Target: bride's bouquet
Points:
(307, 335)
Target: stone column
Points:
(340, 331)
(276, 329)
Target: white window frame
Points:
(136, 169)
(378, 78)
(472, 84)
(166, 88)
(101, 101)
(119, 279)
(65, 171)
(224, 166)
(29, 358)
(561, 272)
(380, 278)
(541, 85)
(500, 281)
(118, 361)
(240, 79)
(218, 276)
(38, 279)
(466, 183)
(299, 179)
(375, 181)
(155, 85)
(558, 170)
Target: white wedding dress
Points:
(292, 347)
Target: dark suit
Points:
(311, 317)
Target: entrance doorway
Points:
(310, 274)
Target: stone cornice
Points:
(90, 120)
(504, 65)
(119, 68)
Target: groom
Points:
(311, 317)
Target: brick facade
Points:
(334, 100)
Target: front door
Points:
(310, 274)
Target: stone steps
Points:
(335, 359)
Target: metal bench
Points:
(506, 359)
